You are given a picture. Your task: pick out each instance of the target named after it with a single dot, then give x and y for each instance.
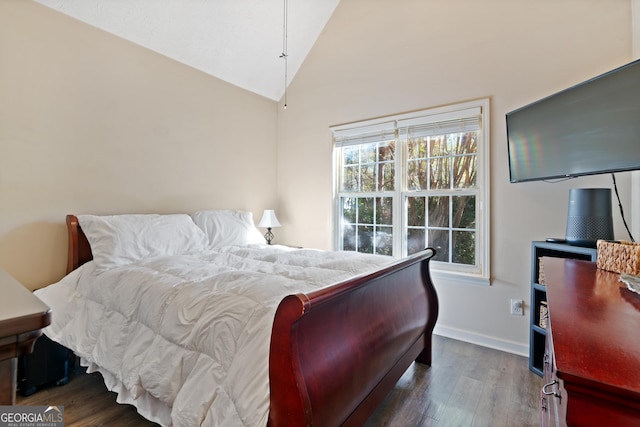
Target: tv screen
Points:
(590, 128)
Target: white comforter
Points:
(186, 338)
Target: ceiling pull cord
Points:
(284, 55)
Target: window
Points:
(414, 180)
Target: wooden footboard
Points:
(337, 352)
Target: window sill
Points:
(462, 278)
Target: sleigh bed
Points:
(337, 351)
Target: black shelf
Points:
(538, 334)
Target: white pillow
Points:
(118, 240)
(228, 227)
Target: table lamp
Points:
(269, 221)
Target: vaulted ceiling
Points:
(239, 41)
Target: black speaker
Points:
(589, 218)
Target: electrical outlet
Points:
(517, 307)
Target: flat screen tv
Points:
(587, 129)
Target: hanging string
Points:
(284, 55)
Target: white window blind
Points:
(364, 134)
(466, 120)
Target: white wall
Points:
(90, 123)
(376, 58)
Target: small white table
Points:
(22, 317)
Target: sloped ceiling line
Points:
(238, 41)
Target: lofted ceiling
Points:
(238, 41)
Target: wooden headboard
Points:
(79, 248)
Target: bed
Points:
(332, 352)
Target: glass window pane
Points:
(464, 247)
(386, 177)
(438, 211)
(384, 241)
(439, 239)
(365, 210)
(439, 173)
(365, 239)
(350, 178)
(417, 175)
(465, 142)
(415, 240)
(384, 210)
(349, 207)
(464, 171)
(349, 237)
(368, 177)
(439, 146)
(465, 148)
(416, 212)
(417, 148)
(386, 151)
(368, 153)
(351, 155)
(464, 212)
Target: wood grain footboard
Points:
(335, 353)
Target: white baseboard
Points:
(483, 340)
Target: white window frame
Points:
(459, 273)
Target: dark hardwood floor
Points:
(467, 385)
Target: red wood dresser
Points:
(592, 362)
(22, 316)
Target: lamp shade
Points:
(269, 219)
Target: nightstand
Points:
(22, 317)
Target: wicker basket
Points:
(544, 314)
(619, 257)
